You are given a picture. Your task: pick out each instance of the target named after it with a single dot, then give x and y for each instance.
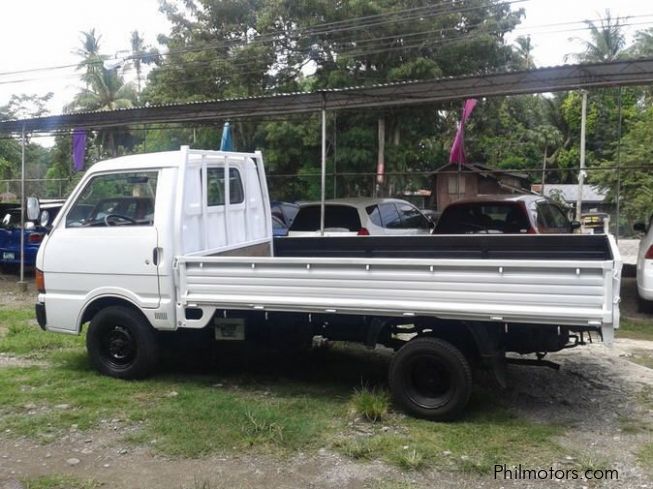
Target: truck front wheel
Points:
(430, 378)
(121, 344)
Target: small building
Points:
(451, 182)
(8, 197)
(594, 199)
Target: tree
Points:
(245, 48)
(643, 45)
(140, 54)
(607, 40)
(25, 106)
(105, 90)
(524, 53)
(547, 137)
(637, 176)
(91, 59)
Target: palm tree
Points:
(141, 54)
(105, 88)
(91, 60)
(524, 51)
(643, 45)
(607, 40)
(547, 137)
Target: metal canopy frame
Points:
(552, 79)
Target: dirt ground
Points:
(600, 395)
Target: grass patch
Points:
(636, 330)
(486, 436)
(257, 402)
(645, 456)
(20, 335)
(60, 482)
(642, 357)
(386, 484)
(633, 426)
(371, 403)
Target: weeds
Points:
(372, 404)
(60, 482)
(256, 403)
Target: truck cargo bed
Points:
(549, 280)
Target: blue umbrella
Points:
(226, 144)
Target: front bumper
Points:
(40, 314)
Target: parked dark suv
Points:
(505, 214)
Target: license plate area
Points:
(229, 329)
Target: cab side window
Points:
(216, 187)
(115, 199)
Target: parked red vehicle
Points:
(505, 214)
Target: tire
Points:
(644, 306)
(121, 343)
(430, 378)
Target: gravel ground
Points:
(602, 397)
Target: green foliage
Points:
(638, 330)
(637, 178)
(607, 40)
(246, 48)
(56, 481)
(372, 404)
(257, 403)
(474, 444)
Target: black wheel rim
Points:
(428, 381)
(118, 347)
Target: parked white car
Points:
(645, 265)
(362, 217)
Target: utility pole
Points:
(323, 169)
(581, 172)
(544, 169)
(22, 285)
(380, 162)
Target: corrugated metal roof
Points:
(565, 77)
(569, 192)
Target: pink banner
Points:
(457, 154)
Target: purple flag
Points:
(457, 154)
(79, 148)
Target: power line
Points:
(271, 36)
(355, 51)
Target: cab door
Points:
(105, 244)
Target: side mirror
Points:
(574, 225)
(640, 227)
(33, 208)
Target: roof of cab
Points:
(139, 162)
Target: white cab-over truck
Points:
(160, 244)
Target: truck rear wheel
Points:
(121, 344)
(430, 378)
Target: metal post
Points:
(335, 153)
(618, 168)
(22, 285)
(581, 172)
(543, 170)
(380, 163)
(323, 176)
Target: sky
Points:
(44, 33)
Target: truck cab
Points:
(115, 240)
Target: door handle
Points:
(156, 252)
